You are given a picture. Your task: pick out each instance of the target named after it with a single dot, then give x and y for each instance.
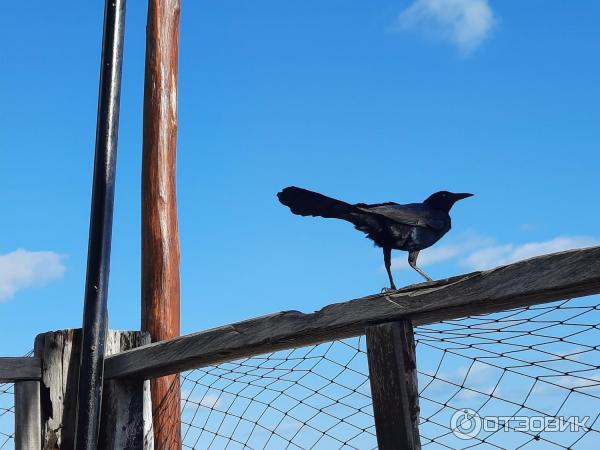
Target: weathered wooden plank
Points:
(393, 377)
(28, 422)
(19, 369)
(59, 352)
(126, 421)
(160, 238)
(537, 280)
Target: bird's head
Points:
(444, 200)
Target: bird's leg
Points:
(412, 261)
(387, 259)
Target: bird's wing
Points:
(372, 205)
(414, 214)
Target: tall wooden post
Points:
(160, 239)
(393, 375)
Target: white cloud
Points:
(497, 255)
(437, 254)
(210, 401)
(480, 253)
(480, 377)
(205, 400)
(22, 269)
(465, 23)
(476, 379)
(556, 385)
(287, 427)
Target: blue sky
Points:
(365, 101)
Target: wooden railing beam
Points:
(20, 369)
(538, 280)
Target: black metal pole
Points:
(95, 315)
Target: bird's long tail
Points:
(307, 203)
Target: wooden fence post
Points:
(126, 420)
(28, 422)
(393, 375)
(59, 352)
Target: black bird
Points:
(411, 227)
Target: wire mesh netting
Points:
(7, 416)
(311, 397)
(525, 378)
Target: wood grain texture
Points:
(28, 415)
(537, 280)
(59, 352)
(19, 369)
(393, 377)
(160, 240)
(126, 421)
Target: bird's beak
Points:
(462, 195)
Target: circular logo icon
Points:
(465, 423)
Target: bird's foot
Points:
(387, 290)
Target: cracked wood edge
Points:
(59, 352)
